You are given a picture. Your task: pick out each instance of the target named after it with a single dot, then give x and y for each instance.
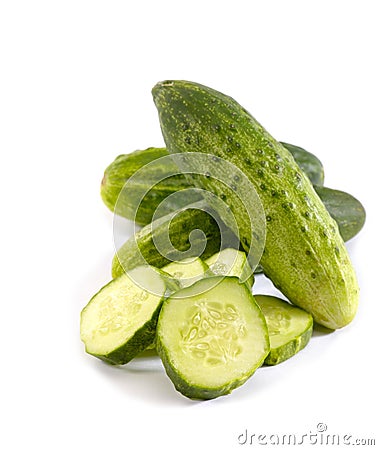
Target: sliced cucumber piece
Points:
(233, 263)
(211, 337)
(289, 327)
(120, 320)
(187, 271)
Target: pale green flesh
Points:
(230, 262)
(187, 271)
(120, 309)
(285, 322)
(212, 339)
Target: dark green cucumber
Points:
(345, 209)
(304, 254)
(120, 321)
(289, 328)
(141, 248)
(124, 166)
(211, 337)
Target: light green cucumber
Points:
(186, 271)
(211, 337)
(120, 320)
(304, 254)
(289, 328)
(231, 262)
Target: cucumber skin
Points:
(289, 350)
(141, 340)
(128, 256)
(311, 268)
(124, 166)
(194, 391)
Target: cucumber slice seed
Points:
(120, 320)
(289, 327)
(211, 337)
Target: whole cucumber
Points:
(304, 254)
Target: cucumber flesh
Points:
(211, 337)
(233, 263)
(120, 320)
(290, 328)
(187, 271)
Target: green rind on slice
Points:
(289, 327)
(120, 320)
(211, 337)
(187, 271)
(233, 263)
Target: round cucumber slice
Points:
(120, 320)
(289, 327)
(211, 337)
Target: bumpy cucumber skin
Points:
(304, 256)
(141, 340)
(345, 209)
(128, 256)
(197, 392)
(308, 163)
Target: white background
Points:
(75, 84)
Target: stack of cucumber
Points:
(198, 310)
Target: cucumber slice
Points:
(187, 271)
(233, 263)
(120, 320)
(211, 337)
(289, 327)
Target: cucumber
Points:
(308, 163)
(304, 255)
(141, 248)
(345, 209)
(129, 204)
(123, 167)
(289, 328)
(120, 320)
(211, 337)
(186, 271)
(231, 262)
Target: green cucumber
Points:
(304, 254)
(345, 209)
(289, 328)
(119, 322)
(231, 262)
(129, 203)
(186, 271)
(141, 248)
(211, 337)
